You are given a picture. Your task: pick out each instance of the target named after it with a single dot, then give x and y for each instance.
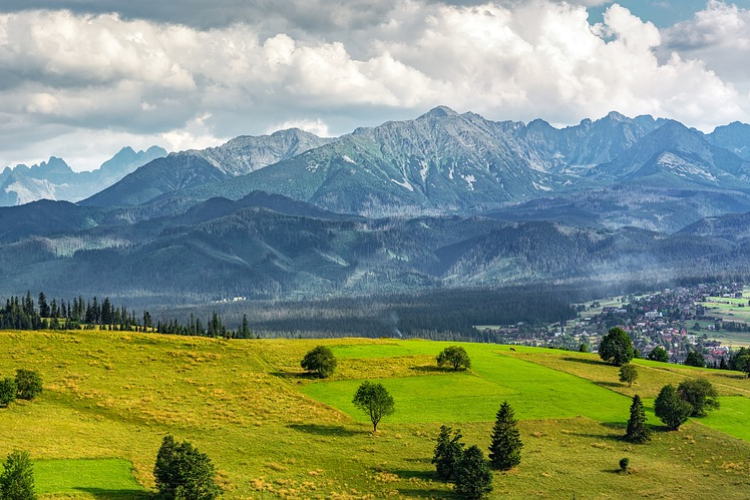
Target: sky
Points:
(80, 79)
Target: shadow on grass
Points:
(417, 493)
(326, 430)
(611, 385)
(586, 361)
(118, 494)
(419, 460)
(424, 475)
(432, 369)
(299, 376)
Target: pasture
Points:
(274, 432)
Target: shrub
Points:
(628, 373)
(8, 391)
(659, 354)
(29, 384)
(183, 473)
(700, 394)
(624, 464)
(17, 479)
(455, 356)
(320, 360)
(694, 358)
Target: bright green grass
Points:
(732, 418)
(112, 475)
(534, 391)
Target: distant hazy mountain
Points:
(55, 180)
(187, 169)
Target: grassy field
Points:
(274, 432)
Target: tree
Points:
(373, 399)
(44, 310)
(694, 358)
(624, 464)
(455, 356)
(700, 394)
(743, 364)
(659, 354)
(583, 348)
(320, 360)
(448, 453)
(629, 374)
(183, 473)
(28, 384)
(671, 409)
(637, 431)
(473, 476)
(17, 479)
(616, 347)
(505, 448)
(8, 391)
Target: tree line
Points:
(26, 313)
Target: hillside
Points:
(273, 432)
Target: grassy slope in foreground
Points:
(114, 395)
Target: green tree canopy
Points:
(454, 356)
(638, 431)
(28, 383)
(700, 394)
(183, 473)
(448, 452)
(671, 409)
(694, 358)
(505, 447)
(374, 399)
(473, 476)
(8, 391)
(628, 374)
(659, 354)
(17, 478)
(320, 360)
(616, 347)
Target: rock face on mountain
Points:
(55, 180)
(188, 169)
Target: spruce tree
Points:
(17, 478)
(637, 431)
(505, 449)
(473, 476)
(448, 453)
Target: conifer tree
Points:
(448, 452)
(17, 478)
(637, 431)
(473, 476)
(505, 449)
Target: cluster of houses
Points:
(675, 319)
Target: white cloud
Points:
(317, 127)
(66, 73)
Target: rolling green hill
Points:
(273, 432)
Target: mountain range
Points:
(55, 180)
(444, 200)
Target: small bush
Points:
(8, 391)
(320, 360)
(624, 464)
(29, 384)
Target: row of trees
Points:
(23, 313)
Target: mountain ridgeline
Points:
(443, 202)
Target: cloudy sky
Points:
(82, 78)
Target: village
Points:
(699, 318)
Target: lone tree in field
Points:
(448, 453)
(659, 354)
(671, 409)
(28, 383)
(694, 358)
(183, 473)
(505, 448)
(8, 391)
(454, 356)
(17, 479)
(637, 431)
(700, 394)
(473, 476)
(321, 361)
(616, 347)
(628, 374)
(374, 400)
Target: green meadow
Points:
(274, 432)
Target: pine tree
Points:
(505, 449)
(473, 476)
(448, 452)
(17, 478)
(637, 431)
